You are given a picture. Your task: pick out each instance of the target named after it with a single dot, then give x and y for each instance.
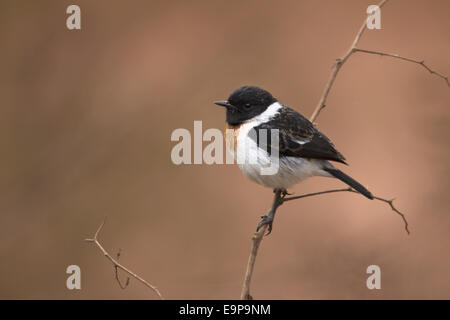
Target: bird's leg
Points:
(268, 219)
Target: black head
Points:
(245, 103)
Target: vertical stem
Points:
(257, 239)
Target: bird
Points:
(303, 151)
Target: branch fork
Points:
(259, 235)
(117, 265)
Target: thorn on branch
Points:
(391, 204)
(352, 49)
(127, 282)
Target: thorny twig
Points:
(117, 265)
(259, 235)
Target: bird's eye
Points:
(247, 105)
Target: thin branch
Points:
(317, 193)
(117, 265)
(419, 62)
(116, 270)
(259, 235)
(353, 48)
(257, 238)
(127, 282)
(390, 202)
(339, 63)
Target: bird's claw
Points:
(285, 193)
(265, 220)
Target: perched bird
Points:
(303, 151)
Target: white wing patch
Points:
(302, 142)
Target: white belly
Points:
(254, 161)
(290, 171)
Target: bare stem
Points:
(339, 63)
(258, 236)
(353, 48)
(396, 56)
(117, 265)
(390, 202)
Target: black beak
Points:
(225, 104)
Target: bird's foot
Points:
(285, 193)
(266, 220)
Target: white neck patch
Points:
(267, 115)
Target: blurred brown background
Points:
(86, 118)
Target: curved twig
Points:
(339, 63)
(396, 56)
(390, 202)
(258, 236)
(353, 48)
(117, 265)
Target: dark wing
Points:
(297, 137)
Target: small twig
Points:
(392, 55)
(339, 63)
(353, 48)
(259, 235)
(117, 265)
(257, 238)
(317, 193)
(127, 282)
(390, 202)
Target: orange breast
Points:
(231, 137)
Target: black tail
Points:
(350, 181)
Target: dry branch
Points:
(396, 56)
(259, 235)
(257, 238)
(353, 48)
(339, 63)
(390, 202)
(117, 265)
